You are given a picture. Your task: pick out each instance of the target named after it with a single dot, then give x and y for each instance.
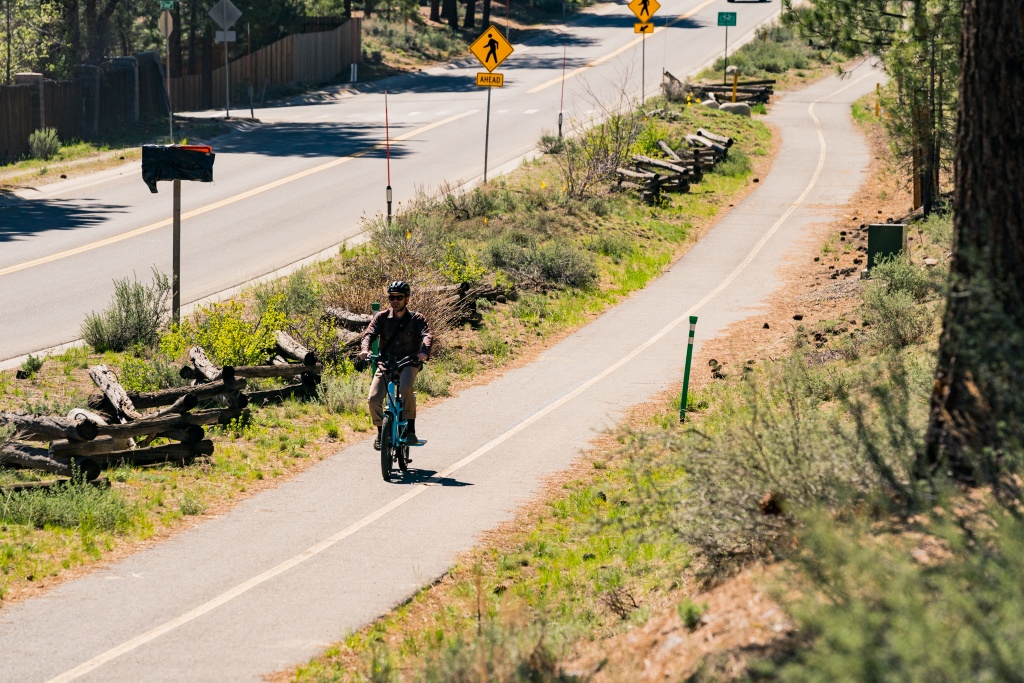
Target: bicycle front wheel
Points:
(387, 447)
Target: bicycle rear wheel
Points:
(386, 447)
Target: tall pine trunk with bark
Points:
(486, 19)
(470, 14)
(976, 427)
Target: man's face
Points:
(398, 301)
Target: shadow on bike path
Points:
(414, 476)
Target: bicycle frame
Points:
(394, 406)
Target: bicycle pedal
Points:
(421, 442)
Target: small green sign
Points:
(167, 4)
(726, 18)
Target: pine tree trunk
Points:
(977, 407)
(486, 20)
(470, 20)
(450, 12)
(435, 10)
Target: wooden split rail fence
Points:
(681, 167)
(119, 426)
(751, 92)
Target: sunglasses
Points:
(395, 297)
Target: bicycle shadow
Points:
(415, 476)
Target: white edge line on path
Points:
(241, 588)
(225, 202)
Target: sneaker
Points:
(376, 442)
(410, 433)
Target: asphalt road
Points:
(288, 571)
(303, 180)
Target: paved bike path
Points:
(290, 570)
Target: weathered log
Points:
(159, 425)
(45, 428)
(490, 293)
(260, 398)
(202, 364)
(721, 150)
(720, 139)
(209, 417)
(182, 405)
(40, 459)
(348, 339)
(290, 370)
(203, 392)
(182, 453)
(645, 175)
(290, 348)
(641, 159)
(187, 434)
(664, 147)
(81, 415)
(103, 378)
(356, 322)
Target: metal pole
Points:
(686, 372)
(724, 76)
(170, 103)
(487, 132)
(227, 79)
(643, 66)
(248, 40)
(387, 146)
(176, 256)
(561, 99)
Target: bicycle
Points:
(393, 447)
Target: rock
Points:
(737, 108)
(710, 104)
(931, 262)
(798, 316)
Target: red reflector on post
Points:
(205, 149)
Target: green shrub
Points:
(432, 382)
(900, 275)
(461, 266)
(550, 144)
(345, 393)
(508, 654)
(32, 364)
(191, 504)
(295, 295)
(736, 165)
(44, 144)
(227, 334)
(134, 318)
(557, 262)
(137, 374)
(898, 319)
(647, 139)
(886, 609)
(70, 505)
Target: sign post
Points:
(224, 14)
(491, 48)
(726, 19)
(166, 28)
(686, 372)
(644, 11)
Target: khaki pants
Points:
(379, 390)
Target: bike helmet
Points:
(399, 287)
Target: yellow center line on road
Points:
(633, 43)
(224, 202)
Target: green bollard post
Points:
(686, 372)
(375, 307)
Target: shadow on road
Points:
(325, 139)
(21, 218)
(415, 476)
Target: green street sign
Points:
(167, 4)
(726, 18)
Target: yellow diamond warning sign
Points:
(491, 48)
(644, 9)
(643, 28)
(490, 80)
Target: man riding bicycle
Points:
(401, 333)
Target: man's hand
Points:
(363, 355)
(422, 357)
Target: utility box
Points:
(885, 240)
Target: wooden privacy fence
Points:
(298, 58)
(15, 120)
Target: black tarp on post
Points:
(176, 162)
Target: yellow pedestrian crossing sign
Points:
(644, 9)
(491, 48)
